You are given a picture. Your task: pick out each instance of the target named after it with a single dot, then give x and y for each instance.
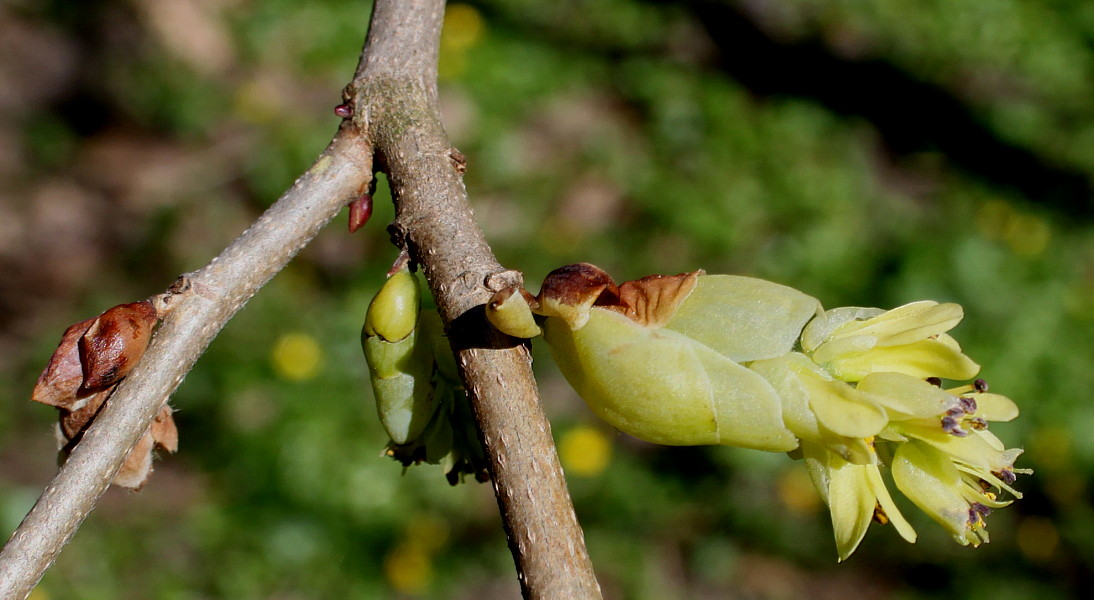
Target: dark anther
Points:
(344, 111)
(953, 426)
(879, 515)
(977, 423)
(1006, 476)
(935, 381)
(980, 385)
(968, 405)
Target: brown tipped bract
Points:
(60, 382)
(115, 342)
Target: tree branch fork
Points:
(395, 120)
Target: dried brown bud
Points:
(74, 423)
(60, 382)
(164, 431)
(115, 342)
(653, 300)
(569, 292)
(137, 468)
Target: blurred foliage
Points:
(866, 153)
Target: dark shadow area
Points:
(911, 116)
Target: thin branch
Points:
(199, 306)
(395, 99)
(396, 102)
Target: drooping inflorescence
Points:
(419, 397)
(695, 359)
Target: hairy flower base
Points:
(718, 359)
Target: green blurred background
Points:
(866, 153)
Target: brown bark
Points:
(396, 103)
(394, 98)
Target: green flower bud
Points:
(510, 311)
(401, 369)
(658, 357)
(393, 313)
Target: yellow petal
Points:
(994, 407)
(842, 409)
(926, 358)
(820, 329)
(907, 324)
(851, 503)
(877, 485)
(931, 481)
(905, 396)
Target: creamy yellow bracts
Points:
(695, 359)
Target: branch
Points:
(199, 305)
(396, 102)
(394, 91)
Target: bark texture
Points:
(395, 119)
(396, 103)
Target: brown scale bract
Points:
(93, 356)
(59, 384)
(571, 291)
(115, 342)
(652, 300)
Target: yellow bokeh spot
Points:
(255, 102)
(408, 568)
(585, 451)
(463, 27)
(796, 491)
(1038, 538)
(427, 532)
(296, 357)
(1025, 234)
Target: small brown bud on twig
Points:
(93, 356)
(344, 110)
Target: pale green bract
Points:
(682, 383)
(696, 359)
(400, 368)
(419, 397)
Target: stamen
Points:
(1007, 476)
(935, 381)
(977, 423)
(879, 515)
(952, 426)
(980, 385)
(967, 404)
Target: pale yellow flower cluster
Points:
(857, 393)
(864, 393)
